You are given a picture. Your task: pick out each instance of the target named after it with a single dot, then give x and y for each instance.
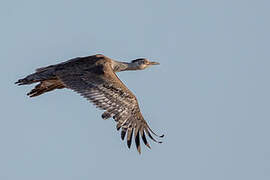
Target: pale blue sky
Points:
(210, 95)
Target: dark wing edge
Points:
(106, 91)
(139, 128)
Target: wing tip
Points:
(139, 150)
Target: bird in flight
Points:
(94, 78)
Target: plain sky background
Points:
(210, 95)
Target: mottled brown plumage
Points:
(94, 78)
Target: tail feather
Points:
(45, 86)
(32, 78)
(41, 74)
(47, 78)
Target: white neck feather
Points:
(124, 66)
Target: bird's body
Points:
(94, 78)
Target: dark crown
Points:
(138, 60)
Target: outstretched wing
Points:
(95, 80)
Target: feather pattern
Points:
(94, 78)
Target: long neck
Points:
(124, 66)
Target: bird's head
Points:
(143, 63)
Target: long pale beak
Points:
(154, 63)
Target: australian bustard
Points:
(94, 78)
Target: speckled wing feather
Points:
(95, 80)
